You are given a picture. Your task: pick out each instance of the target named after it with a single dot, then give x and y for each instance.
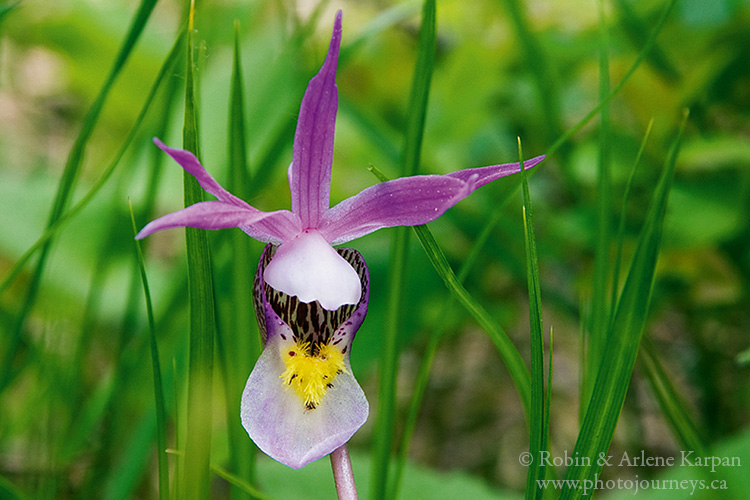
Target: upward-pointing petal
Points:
(312, 157)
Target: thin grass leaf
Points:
(624, 339)
(176, 491)
(165, 70)
(10, 492)
(239, 173)
(637, 30)
(544, 79)
(583, 373)
(122, 481)
(161, 419)
(513, 361)
(420, 386)
(240, 483)
(537, 417)
(123, 478)
(379, 133)
(600, 308)
(238, 347)
(5, 9)
(546, 472)
(621, 226)
(87, 418)
(670, 401)
(672, 404)
(512, 358)
(386, 415)
(423, 373)
(120, 467)
(230, 478)
(202, 313)
(67, 183)
(78, 435)
(384, 20)
(417, 110)
(638, 60)
(420, 90)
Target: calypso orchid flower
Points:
(301, 400)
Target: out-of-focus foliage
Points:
(76, 415)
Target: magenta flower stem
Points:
(343, 475)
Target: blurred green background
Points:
(76, 400)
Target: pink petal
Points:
(190, 163)
(407, 201)
(493, 172)
(282, 226)
(278, 422)
(206, 215)
(312, 156)
(275, 418)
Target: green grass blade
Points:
(537, 418)
(375, 132)
(600, 308)
(638, 60)
(548, 473)
(637, 30)
(164, 71)
(130, 461)
(177, 484)
(231, 478)
(384, 424)
(420, 385)
(9, 491)
(67, 182)
(239, 179)
(544, 78)
(583, 372)
(423, 373)
(513, 361)
(239, 483)
(621, 225)
(672, 405)
(239, 347)
(6, 9)
(202, 314)
(161, 419)
(75, 159)
(122, 480)
(386, 414)
(420, 89)
(624, 339)
(385, 19)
